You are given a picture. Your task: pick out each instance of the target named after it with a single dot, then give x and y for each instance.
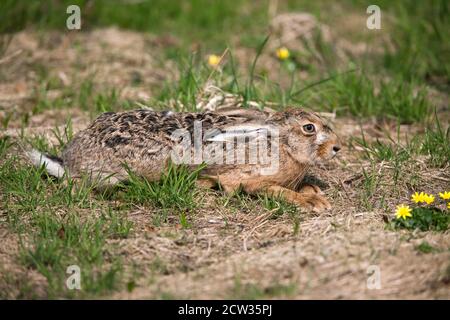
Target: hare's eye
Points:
(309, 128)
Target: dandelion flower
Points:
(428, 198)
(282, 53)
(213, 60)
(418, 197)
(444, 195)
(403, 212)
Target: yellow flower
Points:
(448, 205)
(444, 195)
(418, 197)
(282, 53)
(213, 60)
(403, 212)
(422, 197)
(428, 198)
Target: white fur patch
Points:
(53, 168)
(244, 131)
(321, 138)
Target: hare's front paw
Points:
(313, 201)
(307, 200)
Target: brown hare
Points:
(232, 141)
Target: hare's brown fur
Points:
(143, 139)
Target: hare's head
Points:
(308, 136)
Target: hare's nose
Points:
(336, 148)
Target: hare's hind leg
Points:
(307, 198)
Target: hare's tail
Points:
(53, 165)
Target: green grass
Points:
(59, 242)
(425, 247)
(352, 93)
(419, 33)
(191, 20)
(279, 207)
(176, 189)
(400, 159)
(357, 94)
(85, 96)
(434, 143)
(65, 136)
(370, 187)
(388, 149)
(5, 144)
(184, 92)
(419, 30)
(382, 151)
(62, 224)
(239, 201)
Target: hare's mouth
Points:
(329, 157)
(333, 155)
(334, 151)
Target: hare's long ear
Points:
(248, 113)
